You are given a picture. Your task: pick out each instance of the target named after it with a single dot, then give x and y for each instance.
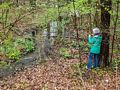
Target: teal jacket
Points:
(95, 43)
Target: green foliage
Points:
(80, 5)
(75, 45)
(99, 72)
(82, 44)
(77, 71)
(5, 5)
(115, 63)
(13, 49)
(77, 66)
(45, 87)
(29, 45)
(47, 14)
(95, 71)
(33, 3)
(2, 64)
(116, 51)
(10, 50)
(64, 52)
(52, 13)
(25, 43)
(12, 53)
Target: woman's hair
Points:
(96, 31)
(97, 34)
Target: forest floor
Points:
(62, 75)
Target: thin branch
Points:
(20, 17)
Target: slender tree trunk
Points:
(77, 31)
(6, 16)
(115, 25)
(90, 18)
(105, 23)
(59, 20)
(48, 30)
(96, 19)
(81, 20)
(2, 17)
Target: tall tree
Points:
(115, 20)
(77, 31)
(59, 18)
(105, 24)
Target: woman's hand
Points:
(89, 35)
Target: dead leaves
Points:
(55, 76)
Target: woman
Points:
(95, 44)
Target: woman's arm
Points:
(91, 39)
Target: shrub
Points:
(64, 52)
(13, 49)
(25, 44)
(115, 63)
(2, 64)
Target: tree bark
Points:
(77, 32)
(115, 26)
(105, 24)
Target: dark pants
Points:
(96, 58)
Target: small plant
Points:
(65, 52)
(29, 45)
(115, 63)
(14, 48)
(13, 54)
(10, 50)
(77, 71)
(25, 44)
(2, 64)
(74, 44)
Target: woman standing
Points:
(95, 44)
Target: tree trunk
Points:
(115, 20)
(48, 30)
(105, 23)
(77, 32)
(59, 20)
